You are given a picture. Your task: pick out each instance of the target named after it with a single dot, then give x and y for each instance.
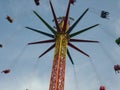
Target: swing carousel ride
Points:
(62, 37)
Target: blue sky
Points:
(27, 71)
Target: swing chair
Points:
(102, 87)
(1, 45)
(117, 68)
(72, 1)
(6, 71)
(37, 2)
(9, 19)
(102, 13)
(118, 41)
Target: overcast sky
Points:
(29, 72)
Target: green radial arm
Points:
(66, 17)
(68, 53)
(76, 22)
(71, 45)
(50, 48)
(49, 27)
(41, 32)
(55, 18)
(41, 42)
(81, 31)
(80, 40)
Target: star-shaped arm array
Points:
(64, 28)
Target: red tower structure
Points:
(62, 39)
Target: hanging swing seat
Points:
(1, 45)
(118, 41)
(37, 2)
(9, 19)
(104, 14)
(117, 68)
(72, 1)
(102, 88)
(6, 71)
